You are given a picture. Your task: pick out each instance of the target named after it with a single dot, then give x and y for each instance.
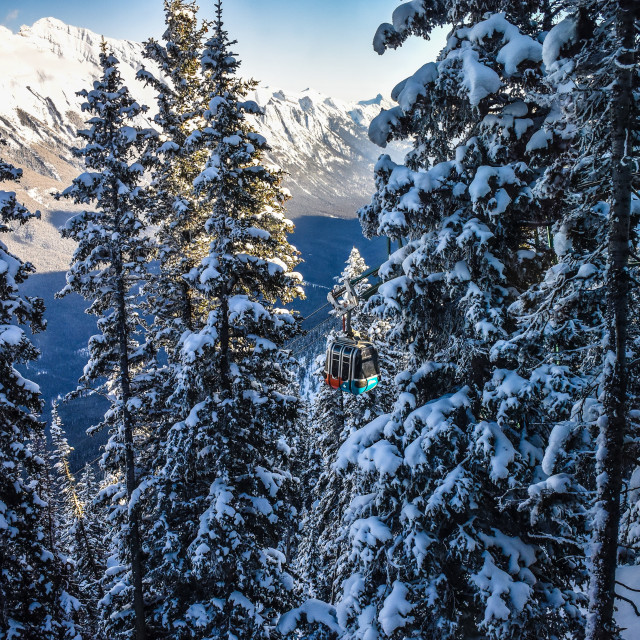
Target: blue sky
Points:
(288, 44)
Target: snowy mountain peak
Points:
(44, 26)
(51, 35)
(55, 31)
(320, 141)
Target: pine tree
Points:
(594, 50)
(322, 490)
(223, 510)
(62, 589)
(441, 546)
(80, 533)
(330, 488)
(175, 306)
(33, 603)
(108, 267)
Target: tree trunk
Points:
(135, 545)
(601, 624)
(48, 496)
(225, 365)
(187, 307)
(90, 555)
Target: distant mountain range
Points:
(320, 141)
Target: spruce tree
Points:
(591, 55)
(223, 509)
(108, 268)
(177, 210)
(322, 490)
(331, 489)
(33, 602)
(80, 533)
(61, 586)
(440, 547)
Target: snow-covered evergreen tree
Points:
(321, 490)
(33, 601)
(177, 209)
(330, 489)
(108, 268)
(80, 532)
(223, 511)
(61, 586)
(440, 547)
(592, 61)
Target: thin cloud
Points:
(11, 16)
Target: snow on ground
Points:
(626, 616)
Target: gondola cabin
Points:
(352, 365)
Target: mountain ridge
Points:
(320, 141)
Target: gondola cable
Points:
(310, 344)
(333, 295)
(90, 462)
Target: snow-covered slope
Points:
(321, 142)
(628, 578)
